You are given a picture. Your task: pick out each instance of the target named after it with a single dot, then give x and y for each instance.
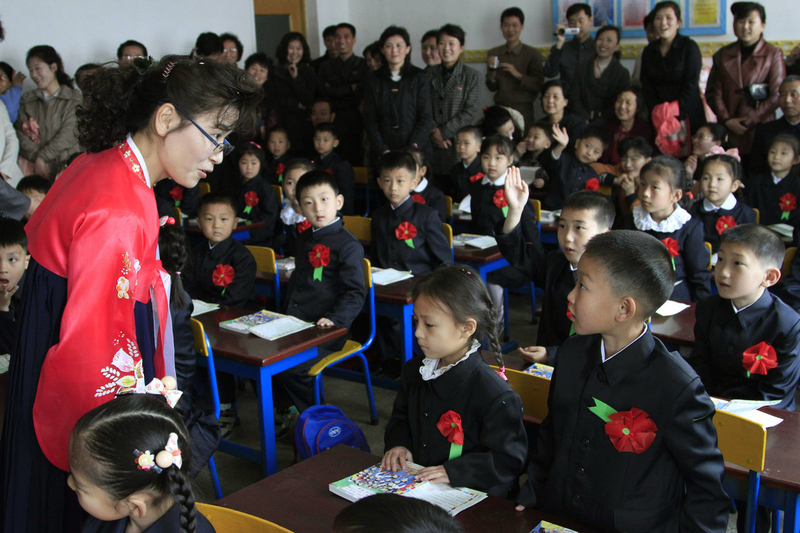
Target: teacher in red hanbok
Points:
(95, 310)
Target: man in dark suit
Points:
(789, 123)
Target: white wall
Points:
(91, 30)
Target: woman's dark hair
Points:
(7, 69)
(461, 290)
(673, 172)
(282, 51)
(396, 514)
(259, 58)
(502, 144)
(494, 117)
(637, 94)
(391, 31)
(118, 101)
(453, 31)
(734, 166)
(668, 4)
(239, 46)
(207, 44)
(48, 54)
(103, 443)
(718, 132)
(604, 29)
(429, 34)
(175, 259)
(640, 145)
(83, 71)
(250, 148)
(743, 9)
(556, 83)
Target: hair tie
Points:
(256, 145)
(502, 372)
(719, 150)
(170, 455)
(465, 271)
(168, 388)
(166, 220)
(168, 69)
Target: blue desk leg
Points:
(791, 512)
(408, 332)
(269, 458)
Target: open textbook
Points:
(266, 324)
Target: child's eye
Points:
(429, 325)
(582, 286)
(580, 227)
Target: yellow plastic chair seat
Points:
(227, 520)
(350, 347)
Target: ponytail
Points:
(49, 55)
(181, 490)
(175, 259)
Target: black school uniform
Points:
(169, 523)
(495, 443)
(722, 336)
(9, 320)
(427, 193)
(241, 290)
(431, 248)
(334, 164)
(169, 192)
(764, 194)
(692, 276)
(266, 210)
(273, 174)
(460, 177)
(339, 296)
(741, 213)
(673, 485)
(567, 175)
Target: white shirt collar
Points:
(423, 184)
(775, 179)
(727, 205)
(737, 311)
(401, 203)
(603, 347)
(499, 182)
(466, 165)
(138, 154)
(289, 216)
(396, 76)
(644, 222)
(314, 230)
(429, 371)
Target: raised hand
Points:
(516, 190)
(560, 135)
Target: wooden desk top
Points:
(252, 350)
(298, 498)
(468, 254)
(677, 329)
(194, 229)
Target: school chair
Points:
(203, 348)
(360, 227)
(758, 215)
(205, 188)
(265, 263)
(448, 232)
(279, 193)
(361, 177)
(227, 520)
(533, 391)
(352, 349)
(178, 216)
(744, 443)
(605, 190)
(448, 209)
(710, 255)
(786, 268)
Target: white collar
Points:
(289, 216)
(737, 311)
(401, 203)
(138, 154)
(644, 222)
(466, 165)
(422, 185)
(499, 182)
(571, 268)
(727, 205)
(776, 180)
(314, 230)
(396, 76)
(429, 371)
(603, 347)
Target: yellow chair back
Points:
(786, 269)
(360, 227)
(532, 390)
(227, 520)
(199, 337)
(537, 209)
(710, 254)
(178, 216)
(205, 188)
(279, 193)
(448, 206)
(758, 215)
(448, 232)
(741, 441)
(265, 259)
(360, 175)
(605, 190)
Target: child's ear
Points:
(27, 260)
(137, 504)
(771, 276)
(423, 170)
(335, 142)
(627, 309)
(288, 144)
(549, 144)
(468, 328)
(339, 202)
(677, 194)
(333, 117)
(736, 185)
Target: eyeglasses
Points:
(630, 159)
(230, 51)
(131, 58)
(225, 147)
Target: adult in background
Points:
(341, 79)
(567, 57)
(625, 123)
(294, 83)
(46, 121)
(429, 47)
(455, 90)
(208, 46)
(555, 98)
(397, 99)
(738, 68)
(789, 102)
(515, 69)
(232, 48)
(671, 67)
(130, 50)
(329, 38)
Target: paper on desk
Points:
(476, 241)
(762, 419)
(466, 204)
(671, 307)
(783, 229)
(528, 174)
(387, 276)
(749, 409)
(201, 307)
(280, 328)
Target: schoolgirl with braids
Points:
(129, 461)
(454, 414)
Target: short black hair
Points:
(214, 198)
(637, 144)
(668, 4)
(394, 159)
(564, 84)
(326, 127)
(419, 156)
(397, 514)
(5, 67)
(743, 9)
(733, 164)
(545, 126)
(208, 44)
(315, 178)
(596, 132)
(299, 162)
(282, 51)
(12, 233)
(34, 183)
(494, 117)
(453, 31)
(636, 264)
(428, 34)
(346, 25)
(649, 19)
(329, 31)
(475, 131)
(131, 42)
(787, 139)
(718, 132)
(574, 9)
(607, 28)
(601, 207)
(277, 129)
(513, 12)
(503, 144)
(239, 46)
(260, 58)
(765, 243)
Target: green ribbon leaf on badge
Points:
(603, 410)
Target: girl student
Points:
(719, 209)
(129, 461)
(775, 193)
(703, 141)
(256, 199)
(660, 213)
(454, 414)
(426, 192)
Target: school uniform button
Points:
(601, 377)
(585, 442)
(424, 446)
(425, 415)
(576, 499)
(395, 127)
(581, 470)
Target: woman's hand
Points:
(690, 165)
(434, 474)
(41, 168)
(628, 184)
(292, 68)
(534, 354)
(560, 135)
(736, 125)
(396, 458)
(438, 140)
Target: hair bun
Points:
(142, 64)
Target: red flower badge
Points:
(673, 247)
(418, 198)
(788, 202)
(279, 172)
(759, 358)
(449, 425)
(406, 232)
(499, 200)
(631, 431)
(251, 199)
(592, 185)
(302, 226)
(177, 195)
(222, 276)
(320, 256)
(572, 326)
(724, 223)
(329, 171)
(477, 177)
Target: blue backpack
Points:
(321, 427)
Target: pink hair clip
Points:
(256, 145)
(145, 461)
(167, 388)
(168, 69)
(166, 220)
(733, 152)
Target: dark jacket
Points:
(764, 194)
(741, 213)
(460, 176)
(593, 98)
(567, 175)
(200, 283)
(266, 210)
(432, 197)
(334, 164)
(763, 138)
(169, 523)
(178, 196)
(293, 97)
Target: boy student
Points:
(468, 147)
(294, 222)
(325, 141)
(327, 285)
(747, 340)
(278, 146)
(538, 139)
(584, 214)
(628, 444)
(571, 173)
(34, 187)
(14, 259)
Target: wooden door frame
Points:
(295, 9)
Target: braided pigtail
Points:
(489, 330)
(181, 490)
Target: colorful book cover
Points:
(547, 527)
(538, 369)
(244, 323)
